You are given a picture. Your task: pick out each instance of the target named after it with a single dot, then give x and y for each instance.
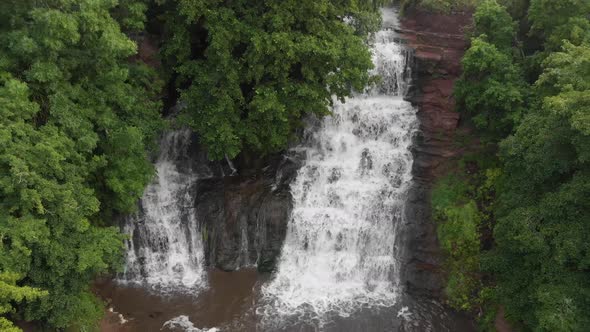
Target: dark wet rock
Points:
(335, 175)
(244, 218)
(366, 163)
(422, 273)
(438, 42)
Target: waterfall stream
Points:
(343, 248)
(341, 251)
(165, 249)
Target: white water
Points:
(166, 250)
(183, 323)
(340, 251)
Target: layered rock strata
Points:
(438, 42)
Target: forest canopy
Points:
(249, 71)
(76, 124)
(525, 87)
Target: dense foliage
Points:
(12, 293)
(250, 70)
(75, 121)
(543, 217)
(458, 220)
(491, 89)
(539, 263)
(80, 113)
(444, 6)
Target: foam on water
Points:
(340, 252)
(182, 323)
(165, 250)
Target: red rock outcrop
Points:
(147, 50)
(439, 43)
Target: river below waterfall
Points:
(341, 263)
(230, 302)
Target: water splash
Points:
(340, 253)
(165, 250)
(182, 323)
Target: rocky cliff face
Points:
(438, 42)
(244, 217)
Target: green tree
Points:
(548, 15)
(542, 227)
(492, 19)
(491, 89)
(249, 71)
(538, 265)
(76, 120)
(11, 293)
(517, 8)
(442, 6)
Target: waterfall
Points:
(165, 249)
(340, 252)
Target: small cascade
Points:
(340, 252)
(392, 61)
(165, 250)
(234, 171)
(244, 260)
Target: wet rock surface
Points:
(244, 217)
(439, 43)
(241, 208)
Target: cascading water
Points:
(340, 253)
(165, 249)
(339, 268)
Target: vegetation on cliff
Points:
(527, 91)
